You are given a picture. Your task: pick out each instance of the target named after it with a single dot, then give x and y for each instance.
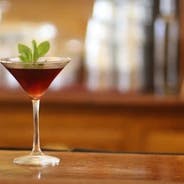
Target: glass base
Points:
(37, 160)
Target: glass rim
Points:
(42, 63)
(41, 60)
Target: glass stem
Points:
(36, 135)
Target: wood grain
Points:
(96, 168)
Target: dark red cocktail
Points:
(35, 78)
(34, 81)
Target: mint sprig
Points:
(27, 54)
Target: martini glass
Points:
(35, 78)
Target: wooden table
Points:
(87, 168)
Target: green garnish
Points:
(32, 55)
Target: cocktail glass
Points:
(35, 78)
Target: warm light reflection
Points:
(115, 45)
(117, 49)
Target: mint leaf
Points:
(35, 51)
(32, 55)
(25, 52)
(23, 58)
(43, 48)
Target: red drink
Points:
(34, 79)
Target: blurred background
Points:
(123, 89)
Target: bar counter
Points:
(87, 168)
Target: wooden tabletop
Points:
(103, 168)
